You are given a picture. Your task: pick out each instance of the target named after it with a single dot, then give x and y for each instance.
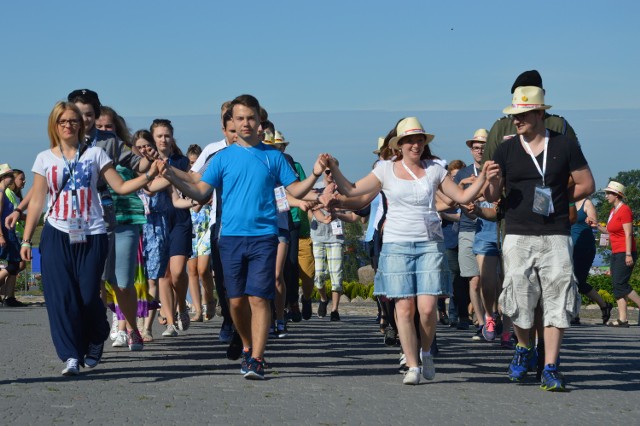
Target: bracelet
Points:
(314, 173)
(629, 255)
(18, 209)
(147, 176)
(26, 241)
(25, 244)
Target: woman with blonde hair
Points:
(74, 241)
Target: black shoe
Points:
(390, 337)
(322, 308)
(13, 302)
(294, 311)
(335, 316)
(235, 347)
(444, 318)
(307, 310)
(575, 321)
(606, 312)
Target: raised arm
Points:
(200, 191)
(123, 187)
(299, 189)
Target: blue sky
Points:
(364, 64)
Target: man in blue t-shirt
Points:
(246, 174)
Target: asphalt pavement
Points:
(322, 373)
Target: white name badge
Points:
(604, 240)
(336, 227)
(281, 199)
(542, 201)
(76, 231)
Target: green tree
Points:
(354, 252)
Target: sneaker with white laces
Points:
(121, 340)
(114, 327)
(136, 343)
(71, 368)
(412, 377)
(171, 331)
(428, 368)
(184, 321)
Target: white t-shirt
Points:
(409, 201)
(85, 177)
(200, 165)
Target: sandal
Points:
(618, 323)
(210, 310)
(162, 320)
(197, 317)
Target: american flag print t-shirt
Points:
(85, 179)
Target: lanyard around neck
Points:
(420, 182)
(71, 169)
(544, 158)
(615, 209)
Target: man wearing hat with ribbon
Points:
(536, 165)
(504, 129)
(467, 231)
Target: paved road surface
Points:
(322, 374)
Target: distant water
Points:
(607, 136)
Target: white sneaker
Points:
(114, 327)
(121, 341)
(71, 368)
(171, 331)
(428, 369)
(412, 377)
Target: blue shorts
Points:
(410, 269)
(180, 233)
(249, 265)
(485, 248)
(127, 239)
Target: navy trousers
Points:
(71, 283)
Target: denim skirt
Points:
(408, 269)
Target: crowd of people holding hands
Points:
(134, 224)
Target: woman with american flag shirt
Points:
(73, 241)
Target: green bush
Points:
(602, 284)
(351, 289)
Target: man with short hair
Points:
(536, 165)
(247, 173)
(466, 235)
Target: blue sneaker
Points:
(255, 369)
(94, 355)
(520, 363)
(246, 356)
(552, 380)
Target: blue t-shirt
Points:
(246, 177)
(466, 224)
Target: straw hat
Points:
(407, 127)
(615, 187)
(268, 138)
(380, 143)
(278, 138)
(480, 135)
(526, 98)
(5, 169)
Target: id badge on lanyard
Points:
(542, 196)
(77, 233)
(336, 227)
(281, 199)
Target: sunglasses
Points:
(327, 172)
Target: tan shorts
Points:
(539, 269)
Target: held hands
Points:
(491, 171)
(163, 168)
(320, 165)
